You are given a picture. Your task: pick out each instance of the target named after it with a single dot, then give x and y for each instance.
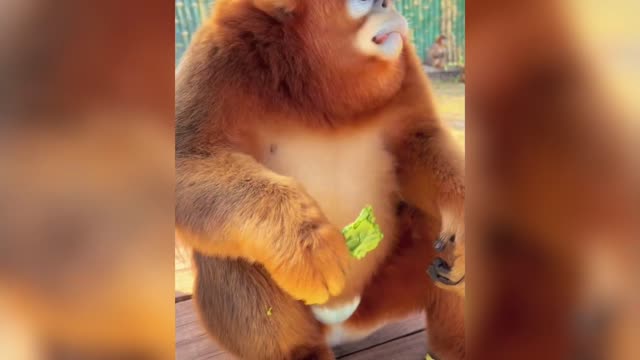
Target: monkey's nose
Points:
(386, 3)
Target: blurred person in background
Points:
(437, 54)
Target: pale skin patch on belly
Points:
(344, 172)
(335, 315)
(337, 331)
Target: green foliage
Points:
(363, 235)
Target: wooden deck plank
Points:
(193, 343)
(387, 333)
(410, 347)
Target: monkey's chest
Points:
(342, 172)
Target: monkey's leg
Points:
(246, 312)
(445, 325)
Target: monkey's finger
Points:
(334, 259)
(302, 282)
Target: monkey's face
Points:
(383, 30)
(360, 42)
(372, 28)
(355, 31)
(339, 56)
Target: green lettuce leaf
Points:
(363, 235)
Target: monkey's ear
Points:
(282, 10)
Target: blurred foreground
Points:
(86, 192)
(553, 187)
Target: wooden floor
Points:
(400, 341)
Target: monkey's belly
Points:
(334, 317)
(343, 172)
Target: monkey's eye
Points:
(359, 8)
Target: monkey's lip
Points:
(396, 27)
(380, 39)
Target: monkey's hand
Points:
(308, 256)
(448, 270)
(449, 277)
(451, 231)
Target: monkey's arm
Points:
(226, 199)
(431, 174)
(229, 205)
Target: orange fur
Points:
(264, 68)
